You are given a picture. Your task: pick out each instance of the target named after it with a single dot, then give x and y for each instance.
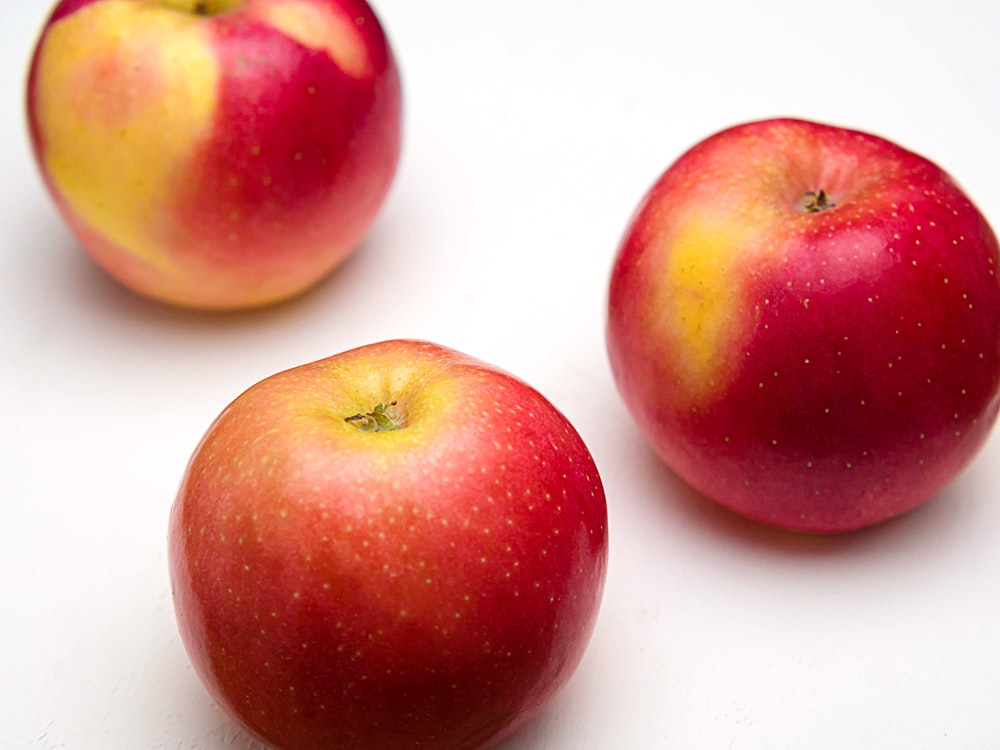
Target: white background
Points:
(532, 130)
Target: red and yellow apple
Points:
(804, 321)
(215, 153)
(395, 547)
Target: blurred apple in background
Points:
(804, 321)
(216, 153)
(395, 547)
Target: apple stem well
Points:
(815, 201)
(202, 7)
(380, 419)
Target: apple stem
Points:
(379, 419)
(816, 201)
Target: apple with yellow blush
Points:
(804, 321)
(216, 154)
(398, 546)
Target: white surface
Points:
(532, 130)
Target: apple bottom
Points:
(207, 283)
(810, 493)
(376, 682)
(475, 707)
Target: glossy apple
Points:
(804, 321)
(216, 153)
(395, 547)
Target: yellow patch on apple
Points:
(112, 156)
(321, 27)
(703, 300)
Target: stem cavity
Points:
(815, 201)
(201, 7)
(383, 418)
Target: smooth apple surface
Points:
(396, 547)
(804, 321)
(216, 153)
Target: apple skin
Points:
(218, 155)
(818, 370)
(431, 586)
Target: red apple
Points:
(215, 153)
(804, 322)
(395, 547)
